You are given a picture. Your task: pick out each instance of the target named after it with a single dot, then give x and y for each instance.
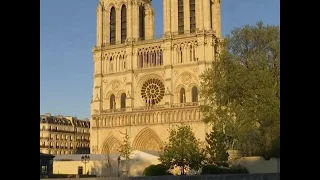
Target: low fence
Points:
(269, 176)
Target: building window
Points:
(141, 23)
(152, 91)
(180, 17)
(112, 102)
(194, 94)
(123, 100)
(113, 26)
(111, 64)
(44, 170)
(123, 23)
(180, 55)
(192, 5)
(182, 95)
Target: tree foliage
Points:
(156, 170)
(242, 89)
(216, 147)
(125, 147)
(182, 150)
(125, 150)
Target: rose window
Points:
(153, 90)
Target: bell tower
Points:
(119, 21)
(189, 16)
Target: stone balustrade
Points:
(147, 115)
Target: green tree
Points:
(156, 170)
(216, 147)
(125, 150)
(182, 150)
(242, 89)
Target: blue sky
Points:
(67, 35)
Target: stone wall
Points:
(270, 176)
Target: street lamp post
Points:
(85, 159)
(119, 166)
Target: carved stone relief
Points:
(186, 79)
(195, 70)
(116, 86)
(176, 72)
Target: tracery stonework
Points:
(152, 90)
(115, 86)
(149, 84)
(186, 79)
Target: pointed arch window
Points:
(141, 23)
(180, 17)
(123, 23)
(112, 102)
(192, 6)
(123, 100)
(111, 64)
(140, 60)
(112, 25)
(194, 93)
(182, 95)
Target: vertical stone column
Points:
(135, 59)
(216, 17)
(118, 24)
(129, 21)
(106, 25)
(199, 14)
(147, 22)
(186, 16)
(206, 15)
(99, 25)
(166, 16)
(106, 64)
(174, 16)
(151, 23)
(135, 16)
(128, 57)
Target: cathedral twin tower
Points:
(128, 20)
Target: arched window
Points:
(140, 60)
(124, 62)
(112, 25)
(191, 53)
(141, 23)
(192, 6)
(112, 102)
(123, 23)
(111, 64)
(194, 94)
(180, 55)
(123, 100)
(182, 95)
(180, 17)
(161, 58)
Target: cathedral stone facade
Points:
(144, 85)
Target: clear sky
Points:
(68, 33)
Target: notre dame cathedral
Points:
(145, 85)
